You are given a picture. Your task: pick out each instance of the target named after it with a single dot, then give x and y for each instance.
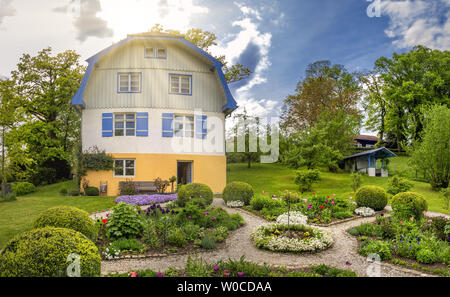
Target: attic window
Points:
(149, 52)
(159, 53)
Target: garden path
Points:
(239, 244)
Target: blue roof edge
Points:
(77, 99)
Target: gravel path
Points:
(238, 244)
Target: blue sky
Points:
(276, 39)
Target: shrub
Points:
(191, 231)
(10, 197)
(150, 234)
(342, 215)
(161, 185)
(194, 190)
(438, 225)
(177, 237)
(197, 267)
(365, 229)
(123, 222)
(63, 191)
(238, 191)
(425, 256)
(398, 185)
(381, 248)
(371, 196)
(128, 188)
(356, 181)
(44, 252)
(67, 217)
(260, 202)
(74, 193)
(92, 191)
(305, 179)
(446, 196)
(409, 204)
(208, 242)
(127, 244)
(23, 188)
(220, 233)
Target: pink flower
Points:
(240, 274)
(411, 219)
(160, 274)
(133, 274)
(226, 273)
(262, 192)
(332, 202)
(216, 268)
(306, 200)
(189, 217)
(351, 198)
(213, 218)
(206, 213)
(334, 195)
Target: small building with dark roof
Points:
(365, 140)
(365, 162)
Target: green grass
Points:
(17, 216)
(274, 179)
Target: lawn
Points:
(274, 178)
(18, 216)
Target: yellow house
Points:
(157, 104)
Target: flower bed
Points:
(146, 199)
(365, 211)
(296, 239)
(294, 218)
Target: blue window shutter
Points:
(167, 124)
(107, 125)
(201, 129)
(142, 124)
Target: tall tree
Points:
(45, 85)
(327, 87)
(204, 40)
(9, 117)
(409, 82)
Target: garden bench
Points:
(143, 186)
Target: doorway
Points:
(184, 172)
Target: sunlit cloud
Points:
(6, 10)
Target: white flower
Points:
(234, 204)
(295, 218)
(365, 211)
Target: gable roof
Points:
(78, 97)
(382, 151)
(366, 137)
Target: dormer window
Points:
(157, 53)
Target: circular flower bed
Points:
(299, 239)
(365, 211)
(295, 218)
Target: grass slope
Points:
(274, 179)
(17, 216)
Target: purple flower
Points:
(216, 268)
(146, 199)
(189, 217)
(348, 263)
(240, 274)
(160, 274)
(213, 218)
(206, 213)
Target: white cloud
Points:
(418, 22)
(6, 10)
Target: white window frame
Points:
(155, 52)
(184, 121)
(178, 89)
(128, 76)
(124, 120)
(124, 162)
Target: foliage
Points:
(366, 229)
(432, 155)
(172, 180)
(128, 188)
(194, 190)
(220, 233)
(44, 252)
(150, 234)
(408, 204)
(94, 159)
(398, 184)
(197, 267)
(328, 271)
(425, 256)
(260, 202)
(23, 188)
(371, 196)
(63, 191)
(381, 248)
(161, 185)
(126, 244)
(92, 191)
(10, 197)
(177, 237)
(123, 222)
(208, 242)
(305, 179)
(326, 87)
(74, 193)
(356, 180)
(238, 191)
(446, 195)
(67, 217)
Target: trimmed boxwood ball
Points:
(67, 217)
(371, 196)
(192, 191)
(44, 252)
(238, 191)
(92, 191)
(410, 202)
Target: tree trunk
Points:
(249, 162)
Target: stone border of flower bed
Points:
(355, 217)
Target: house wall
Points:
(209, 170)
(207, 91)
(154, 143)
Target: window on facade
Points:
(124, 167)
(180, 84)
(184, 126)
(124, 124)
(129, 82)
(161, 53)
(149, 52)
